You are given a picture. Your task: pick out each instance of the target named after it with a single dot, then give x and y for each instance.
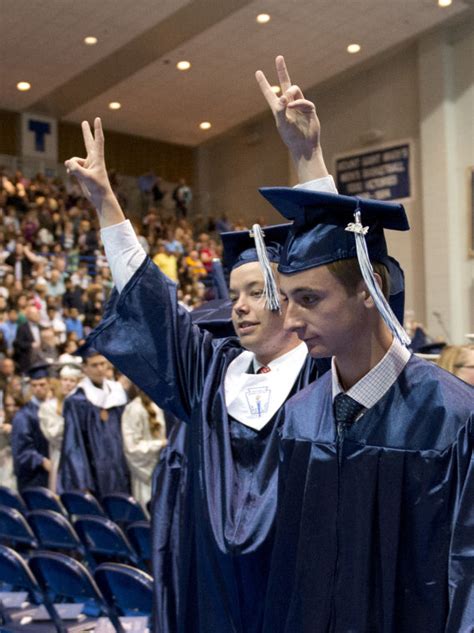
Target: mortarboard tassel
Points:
(272, 301)
(368, 275)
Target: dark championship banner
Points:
(382, 174)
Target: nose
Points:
(240, 306)
(293, 321)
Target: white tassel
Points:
(368, 274)
(272, 297)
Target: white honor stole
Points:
(253, 399)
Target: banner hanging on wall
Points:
(382, 173)
(39, 136)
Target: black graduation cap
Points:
(38, 370)
(216, 317)
(239, 246)
(324, 231)
(318, 235)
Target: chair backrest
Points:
(139, 534)
(38, 498)
(123, 508)
(15, 572)
(14, 528)
(12, 499)
(127, 589)
(79, 503)
(105, 540)
(54, 531)
(61, 576)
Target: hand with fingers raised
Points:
(91, 173)
(296, 121)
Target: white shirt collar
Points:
(371, 387)
(300, 351)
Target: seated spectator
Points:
(49, 346)
(74, 323)
(55, 286)
(194, 266)
(7, 371)
(28, 339)
(166, 262)
(459, 360)
(9, 327)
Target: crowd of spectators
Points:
(54, 279)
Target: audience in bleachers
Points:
(54, 283)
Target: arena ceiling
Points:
(140, 42)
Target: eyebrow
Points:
(306, 289)
(247, 286)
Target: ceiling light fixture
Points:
(205, 125)
(444, 3)
(115, 105)
(23, 86)
(90, 40)
(276, 89)
(353, 48)
(263, 18)
(183, 65)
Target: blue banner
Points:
(382, 174)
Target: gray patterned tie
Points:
(346, 408)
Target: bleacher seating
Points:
(39, 498)
(128, 590)
(123, 509)
(79, 503)
(15, 530)
(12, 499)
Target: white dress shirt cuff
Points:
(325, 184)
(123, 251)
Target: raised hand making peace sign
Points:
(91, 174)
(297, 122)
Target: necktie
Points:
(263, 370)
(346, 409)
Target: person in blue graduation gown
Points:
(376, 499)
(233, 413)
(29, 446)
(92, 456)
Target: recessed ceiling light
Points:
(353, 48)
(205, 125)
(276, 89)
(183, 65)
(90, 40)
(115, 105)
(444, 3)
(263, 18)
(23, 86)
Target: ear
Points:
(367, 297)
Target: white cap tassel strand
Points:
(368, 274)
(272, 296)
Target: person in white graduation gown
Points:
(144, 435)
(51, 417)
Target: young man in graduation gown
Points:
(218, 386)
(376, 498)
(29, 446)
(92, 456)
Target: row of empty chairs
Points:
(58, 582)
(90, 535)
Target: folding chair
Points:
(54, 532)
(105, 541)
(127, 590)
(79, 503)
(61, 577)
(16, 576)
(123, 509)
(139, 535)
(39, 498)
(15, 531)
(12, 499)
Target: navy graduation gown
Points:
(232, 478)
(29, 447)
(375, 528)
(92, 456)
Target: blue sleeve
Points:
(150, 338)
(461, 559)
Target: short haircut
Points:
(348, 273)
